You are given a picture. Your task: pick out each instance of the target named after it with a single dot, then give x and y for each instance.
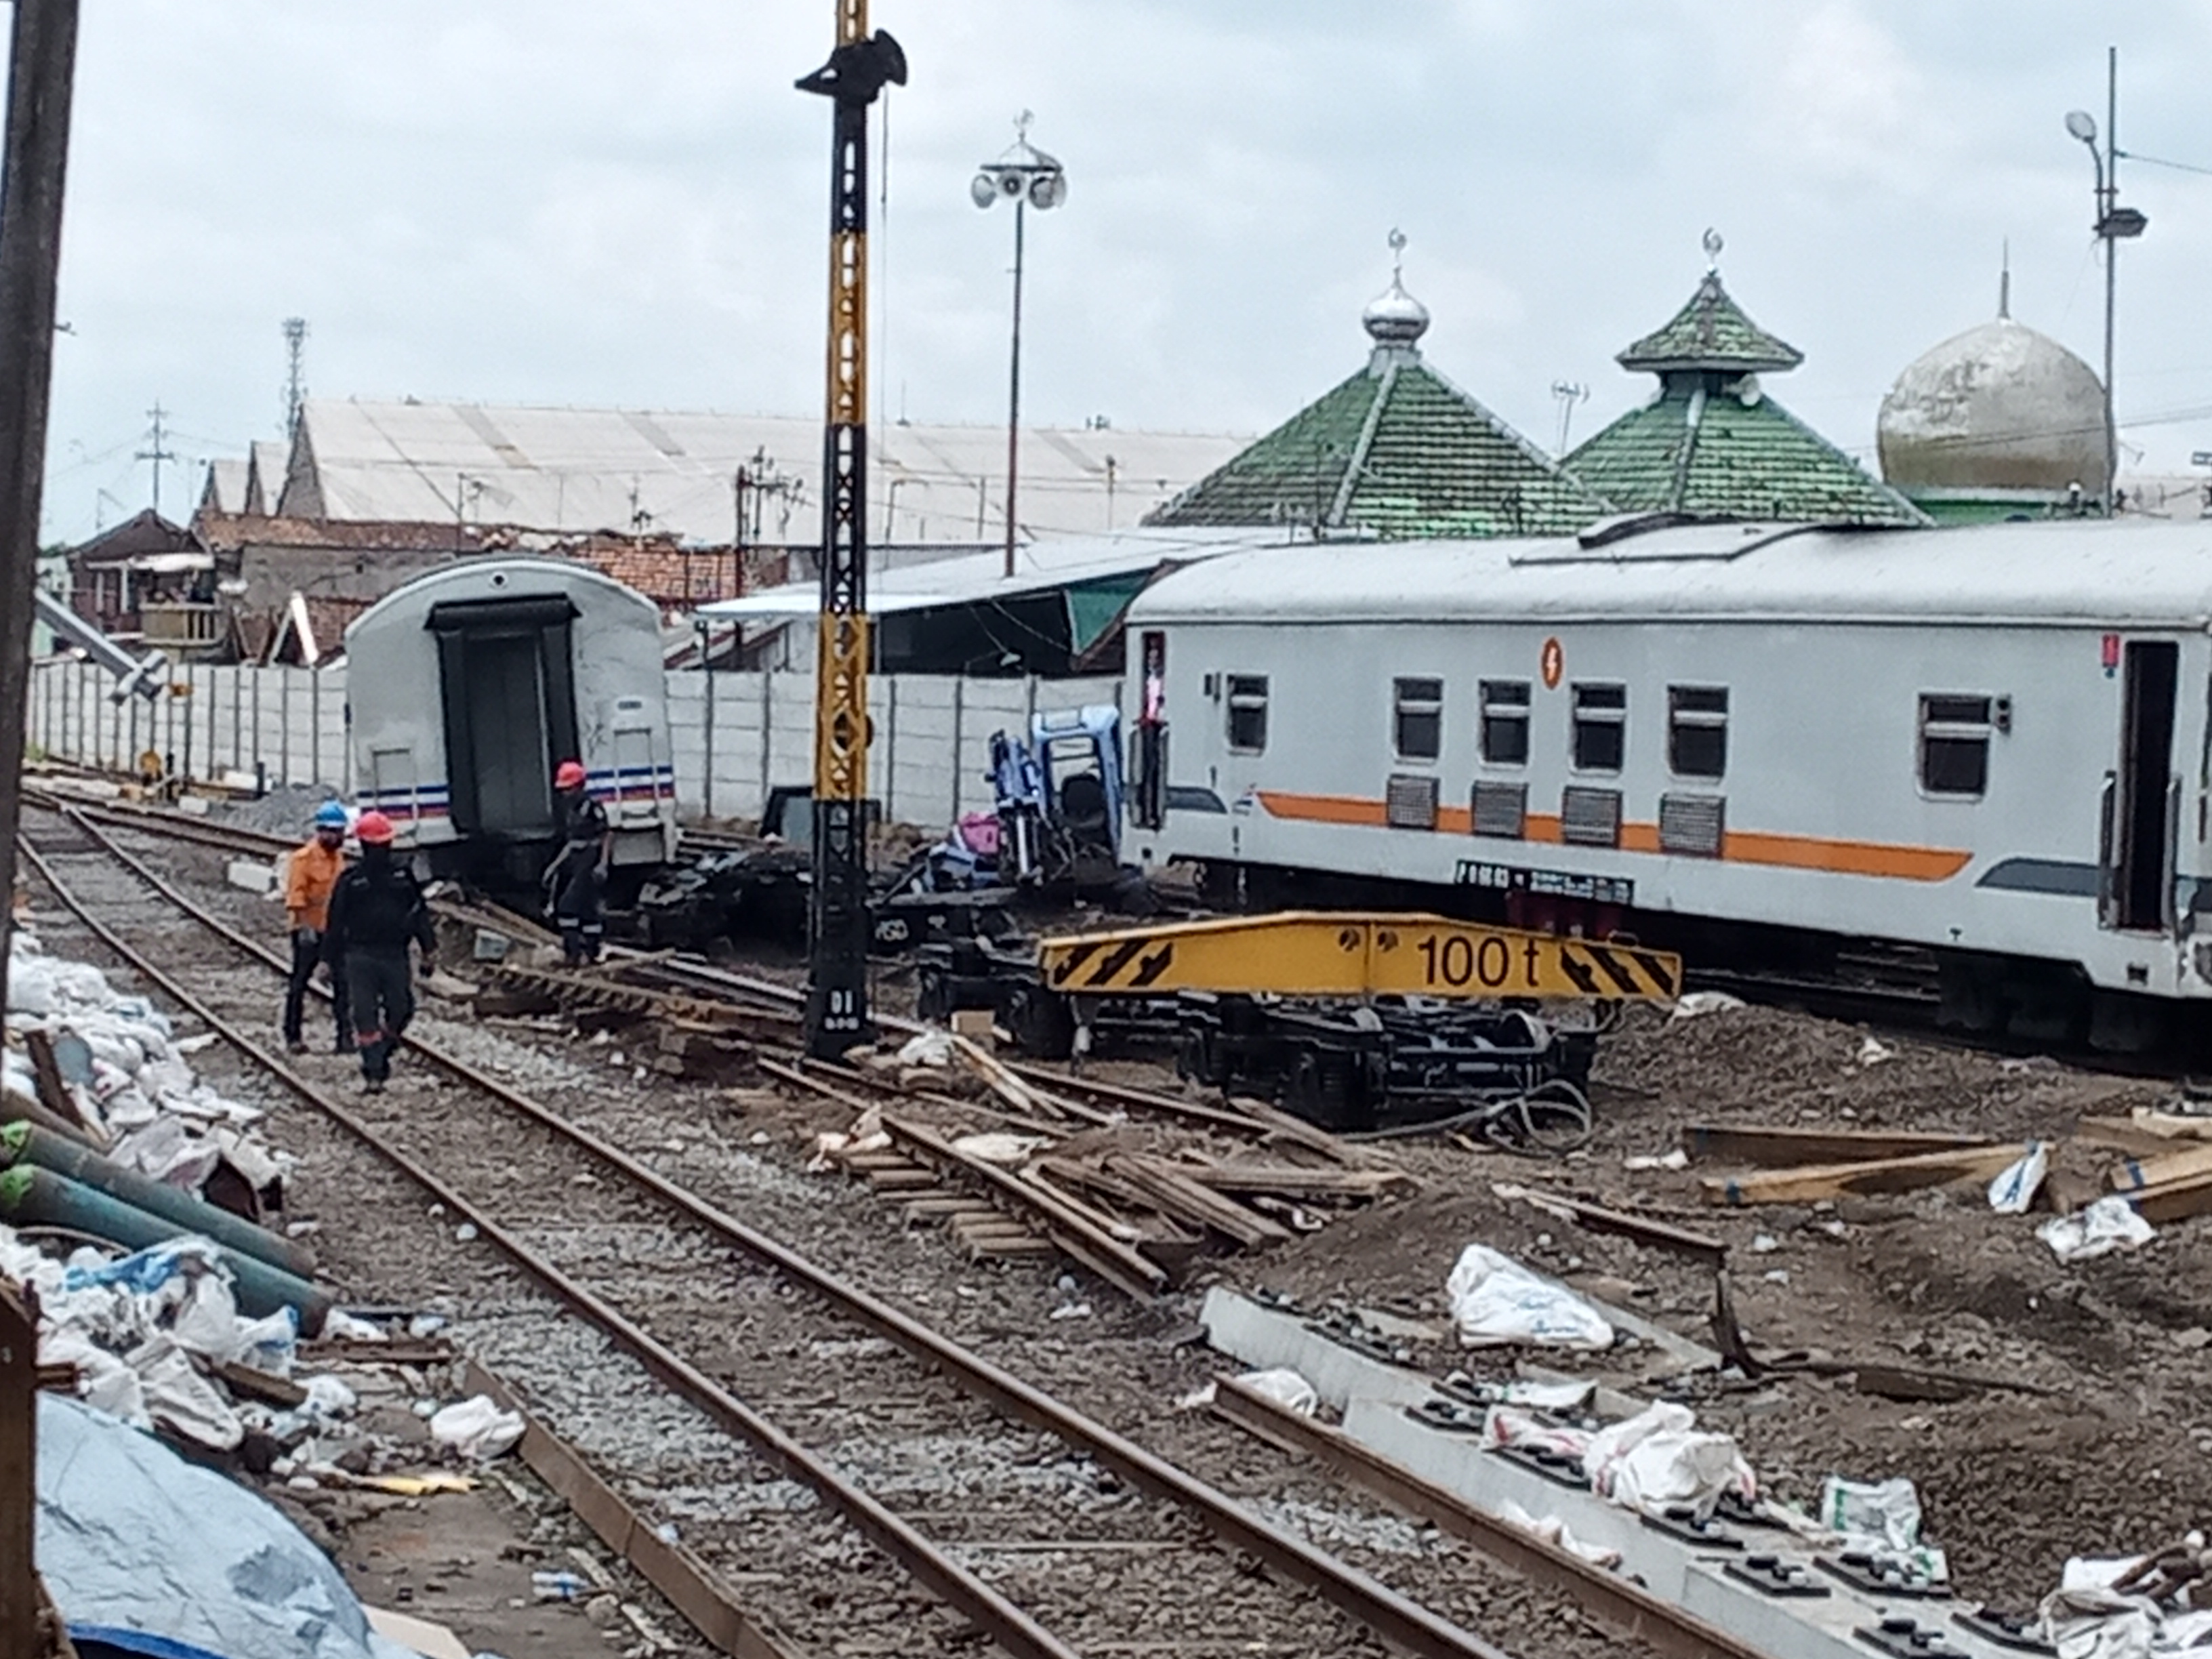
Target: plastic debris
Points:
(1677, 1159)
(1494, 1299)
(477, 1428)
(1695, 1004)
(131, 1537)
(2110, 1224)
(1552, 1530)
(2013, 1190)
(1285, 1388)
(1873, 1051)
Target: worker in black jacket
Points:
(577, 880)
(377, 908)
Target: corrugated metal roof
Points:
(674, 473)
(2088, 572)
(979, 578)
(265, 467)
(225, 490)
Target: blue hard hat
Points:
(331, 815)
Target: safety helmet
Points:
(331, 815)
(374, 829)
(569, 774)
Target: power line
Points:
(2161, 161)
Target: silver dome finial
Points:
(1713, 245)
(1394, 317)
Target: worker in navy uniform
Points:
(377, 910)
(578, 879)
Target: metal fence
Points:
(735, 735)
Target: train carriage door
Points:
(2138, 886)
(508, 687)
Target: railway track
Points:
(731, 1305)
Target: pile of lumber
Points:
(2161, 1161)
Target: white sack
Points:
(1552, 1530)
(475, 1428)
(132, 1537)
(1285, 1388)
(2011, 1192)
(1885, 1511)
(1660, 1458)
(2110, 1224)
(1494, 1299)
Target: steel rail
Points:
(1397, 1619)
(1008, 1625)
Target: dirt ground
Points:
(2113, 1453)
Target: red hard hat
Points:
(569, 776)
(374, 829)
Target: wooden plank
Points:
(19, 1453)
(2175, 1200)
(1766, 1147)
(1659, 1235)
(1177, 1195)
(1296, 1180)
(2134, 1173)
(1810, 1183)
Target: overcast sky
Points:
(578, 202)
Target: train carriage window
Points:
(1600, 727)
(1954, 743)
(1505, 722)
(1418, 718)
(1248, 713)
(1696, 730)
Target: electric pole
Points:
(41, 66)
(157, 454)
(860, 65)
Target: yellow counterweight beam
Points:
(1318, 953)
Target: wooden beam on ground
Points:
(19, 1468)
(2134, 1173)
(1767, 1147)
(2174, 1200)
(1810, 1183)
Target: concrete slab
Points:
(1264, 1338)
(1823, 1627)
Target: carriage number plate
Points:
(1547, 884)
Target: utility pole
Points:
(296, 365)
(1024, 174)
(2114, 224)
(860, 65)
(42, 66)
(157, 454)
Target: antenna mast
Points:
(295, 367)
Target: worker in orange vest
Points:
(309, 880)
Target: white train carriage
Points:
(1991, 742)
(468, 686)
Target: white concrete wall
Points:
(931, 743)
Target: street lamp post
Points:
(1025, 176)
(2114, 224)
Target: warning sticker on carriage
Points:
(1545, 884)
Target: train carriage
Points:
(1745, 741)
(469, 685)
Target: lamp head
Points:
(2081, 124)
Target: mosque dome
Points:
(2000, 407)
(1394, 317)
